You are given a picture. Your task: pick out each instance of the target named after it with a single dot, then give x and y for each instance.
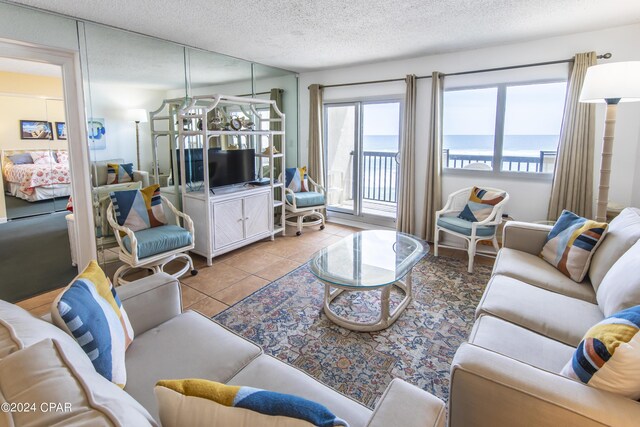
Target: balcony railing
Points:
(380, 174)
(542, 163)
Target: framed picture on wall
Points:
(61, 130)
(35, 129)
(97, 130)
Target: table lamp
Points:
(137, 115)
(610, 83)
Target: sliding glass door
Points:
(362, 141)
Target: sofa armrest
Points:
(403, 404)
(489, 389)
(151, 301)
(525, 236)
(141, 176)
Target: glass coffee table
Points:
(368, 261)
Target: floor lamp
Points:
(138, 116)
(610, 83)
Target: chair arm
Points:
(151, 301)
(141, 176)
(403, 404)
(525, 236)
(489, 389)
(293, 198)
(188, 222)
(316, 186)
(117, 228)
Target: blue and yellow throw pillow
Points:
(139, 209)
(608, 357)
(296, 179)
(480, 204)
(90, 311)
(117, 174)
(235, 405)
(571, 244)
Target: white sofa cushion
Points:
(534, 270)
(620, 288)
(42, 374)
(519, 343)
(266, 372)
(556, 316)
(186, 346)
(623, 232)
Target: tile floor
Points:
(237, 274)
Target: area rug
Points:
(286, 319)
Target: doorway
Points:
(362, 140)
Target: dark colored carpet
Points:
(34, 256)
(286, 319)
(19, 208)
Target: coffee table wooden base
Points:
(386, 318)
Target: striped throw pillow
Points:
(90, 311)
(571, 244)
(608, 357)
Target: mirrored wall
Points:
(134, 86)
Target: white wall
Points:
(529, 198)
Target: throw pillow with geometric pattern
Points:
(480, 204)
(296, 179)
(119, 173)
(139, 209)
(571, 243)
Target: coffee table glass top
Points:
(368, 259)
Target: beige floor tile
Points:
(208, 307)
(254, 260)
(190, 296)
(240, 290)
(41, 311)
(331, 240)
(211, 280)
(278, 270)
(39, 300)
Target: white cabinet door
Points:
(228, 223)
(257, 218)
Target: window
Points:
(507, 128)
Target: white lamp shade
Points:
(137, 115)
(612, 81)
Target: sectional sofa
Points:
(530, 320)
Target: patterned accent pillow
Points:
(42, 157)
(90, 311)
(571, 243)
(609, 355)
(119, 173)
(139, 209)
(182, 402)
(480, 204)
(296, 179)
(62, 156)
(21, 159)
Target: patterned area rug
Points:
(286, 319)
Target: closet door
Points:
(256, 214)
(228, 223)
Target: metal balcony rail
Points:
(542, 163)
(380, 176)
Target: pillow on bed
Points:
(42, 157)
(62, 157)
(21, 159)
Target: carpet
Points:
(35, 256)
(286, 319)
(19, 208)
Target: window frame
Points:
(498, 143)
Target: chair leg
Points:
(299, 223)
(495, 243)
(472, 253)
(436, 238)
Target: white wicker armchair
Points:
(471, 232)
(155, 262)
(306, 205)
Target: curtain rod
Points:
(460, 73)
(254, 94)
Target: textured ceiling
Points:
(309, 35)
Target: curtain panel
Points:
(316, 142)
(433, 184)
(406, 194)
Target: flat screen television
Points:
(228, 167)
(194, 170)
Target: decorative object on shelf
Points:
(61, 130)
(97, 131)
(611, 83)
(35, 129)
(247, 124)
(138, 115)
(215, 120)
(270, 150)
(235, 123)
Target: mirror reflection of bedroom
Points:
(36, 181)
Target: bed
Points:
(48, 177)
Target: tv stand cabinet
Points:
(239, 216)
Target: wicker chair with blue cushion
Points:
(149, 242)
(305, 200)
(472, 214)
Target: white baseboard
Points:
(3, 220)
